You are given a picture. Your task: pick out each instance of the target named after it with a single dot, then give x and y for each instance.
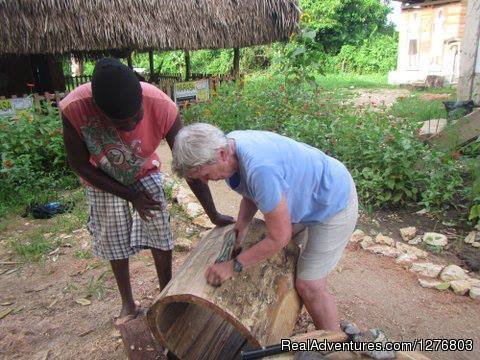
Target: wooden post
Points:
(236, 63)
(469, 82)
(256, 308)
(188, 70)
(129, 60)
(150, 63)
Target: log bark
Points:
(256, 308)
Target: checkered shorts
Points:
(118, 231)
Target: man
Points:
(111, 129)
(301, 192)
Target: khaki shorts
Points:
(321, 245)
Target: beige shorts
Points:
(321, 245)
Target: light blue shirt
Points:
(316, 186)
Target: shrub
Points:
(33, 159)
(390, 165)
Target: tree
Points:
(344, 22)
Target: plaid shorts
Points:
(118, 231)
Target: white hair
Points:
(196, 145)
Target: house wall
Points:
(429, 41)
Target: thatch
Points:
(73, 26)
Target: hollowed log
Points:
(256, 308)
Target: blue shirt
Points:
(316, 186)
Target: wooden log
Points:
(257, 307)
(463, 130)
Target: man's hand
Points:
(143, 202)
(218, 273)
(220, 220)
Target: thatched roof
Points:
(73, 26)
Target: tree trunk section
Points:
(188, 66)
(236, 63)
(256, 308)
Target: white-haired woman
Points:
(301, 192)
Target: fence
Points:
(165, 82)
(71, 82)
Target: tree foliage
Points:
(344, 22)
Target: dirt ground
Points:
(47, 322)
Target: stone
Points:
(384, 240)
(357, 236)
(474, 282)
(460, 287)
(426, 269)
(431, 127)
(366, 242)
(193, 209)
(408, 233)
(435, 239)
(405, 259)
(411, 250)
(416, 240)
(476, 244)
(429, 283)
(474, 293)
(453, 272)
(182, 244)
(184, 195)
(470, 238)
(384, 250)
(204, 221)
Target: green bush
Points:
(390, 165)
(33, 158)
(378, 54)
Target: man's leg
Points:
(319, 303)
(163, 264)
(122, 276)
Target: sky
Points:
(394, 17)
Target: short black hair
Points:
(115, 89)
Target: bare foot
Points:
(129, 312)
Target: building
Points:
(430, 40)
(35, 35)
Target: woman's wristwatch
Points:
(237, 265)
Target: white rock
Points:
(366, 242)
(384, 240)
(357, 236)
(182, 244)
(416, 240)
(460, 287)
(385, 250)
(435, 239)
(429, 283)
(476, 244)
(193, 209)
(421, 212)
(426, 269)
(470, 238)
(411, 250)
(408, 233)
(184, 195)
(204, 221)
(431, 127)
(474, 282)
(453, 272)
(474, 293)
(405, 259)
